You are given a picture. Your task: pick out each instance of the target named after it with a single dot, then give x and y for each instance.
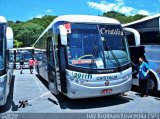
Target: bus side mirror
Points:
(63, 34)
(9, 37)
(136, 35)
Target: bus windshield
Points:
(19, 56)
(97, 46)
(27, 57)
(1, 46)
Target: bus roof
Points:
(85, 19)
(3, 19)
(25, 48)
(142, 20)
(22, 48)
(81, 19)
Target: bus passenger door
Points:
(133, 38)
(51, 61)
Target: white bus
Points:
(26, 53)
(6, 70)
(84, 56)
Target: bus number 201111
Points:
(82, 76)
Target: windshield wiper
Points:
(114, 56)
(95, 51)
(109, 49)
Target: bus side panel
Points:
(152, 55)
(41, 63)
(43, 67)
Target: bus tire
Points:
(152, 85)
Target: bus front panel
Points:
(83, 85)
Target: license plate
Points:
(106, 91)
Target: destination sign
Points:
(105, 31)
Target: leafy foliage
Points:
(17, 44)
(123, 18)
(26, 33)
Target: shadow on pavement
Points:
(157, 99)
(88, 103)
(136, 89)
(9, 102)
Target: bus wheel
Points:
(152, 86)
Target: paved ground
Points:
(29, 87)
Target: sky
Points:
(24, 10)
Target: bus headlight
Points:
(80, 81)
(76, 80)
(128, 76)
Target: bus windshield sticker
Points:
(82, 76)
(99, 64)
(105, 31)
(68, 27)
(82, 61)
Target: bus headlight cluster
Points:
(80, 81)
(76, 80)
(128, 76)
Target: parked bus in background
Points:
(84, 56)
(6, 70)
(26, 53)
(149, 48)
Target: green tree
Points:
(10, 23)
(44, 21)
(122, 17)
(28, 33)
(17, 44)
(113, 14)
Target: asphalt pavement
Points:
(29, 94)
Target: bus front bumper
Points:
(77, 91)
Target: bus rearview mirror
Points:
(136, 35)
(63, 34)
(9, 37)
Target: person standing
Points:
(31, 64)
(21, 65)
(143, 77)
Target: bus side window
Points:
(50, 52)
